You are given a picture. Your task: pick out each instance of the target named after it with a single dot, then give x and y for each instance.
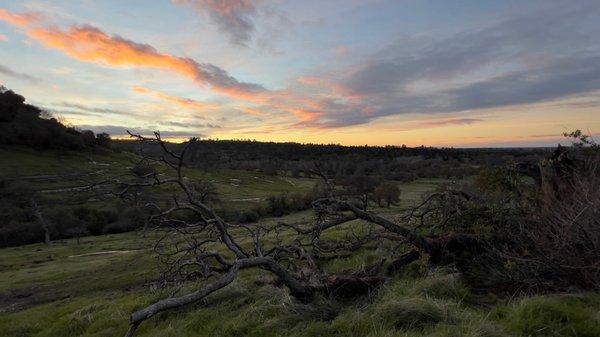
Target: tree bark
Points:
(38, 214)
(297, 289)
(404, 260)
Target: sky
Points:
(461, 73)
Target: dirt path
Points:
(106, 252)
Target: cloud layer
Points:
(182, 102)
(234, 17)
(15, 74)
(121, 131)
(544, 52)
(541, 55)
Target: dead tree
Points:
(208, 247)
(37, 212)
(198, 244)
(212, 249)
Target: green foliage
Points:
(498, 181)
(93, 219)
(24, 124)
(286, 203)
(17, 222)
(582, 140)
(248, 216)
(387, 191)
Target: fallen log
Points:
(402, 261)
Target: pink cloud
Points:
(22, 19)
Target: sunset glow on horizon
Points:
(434, 73)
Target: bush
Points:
(551, 242)
(16, 233)
(94, 220)
(278, 205)
(118, 227)
(248, 216)
(142, 170)
(387, 191)
(18, 224)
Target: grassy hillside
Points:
(54, 172)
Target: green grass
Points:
(72, 294)
(52, 171)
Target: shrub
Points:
(278, 205)
(20, 233)
(553, 244)
(94, 220)
(118, 227)
(387, 191)
(248, 216)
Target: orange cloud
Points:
(23, 19)
(90, 44)
(3, 37)
(180, 101)
(306, 115)
(451, 121)
(252, 111)
(309, 80)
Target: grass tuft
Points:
(553, 316)
(413, 313)
(443, 286)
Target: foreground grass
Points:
(75, 293)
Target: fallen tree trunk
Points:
(342, 286)
(401, 262)
(297, 289)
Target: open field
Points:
(56, 175)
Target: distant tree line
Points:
(25, 215)
(399, 163)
